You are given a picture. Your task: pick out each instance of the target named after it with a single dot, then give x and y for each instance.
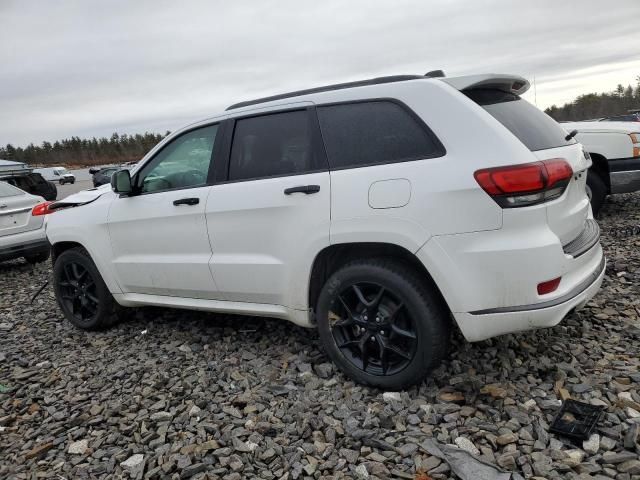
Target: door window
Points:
(272, 145)
(183, 163)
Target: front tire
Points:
(81, 293)
(596, 191)
(382, 324)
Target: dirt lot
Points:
(172, 394)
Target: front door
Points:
(270, 216)
(159, 235)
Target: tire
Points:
(81, 292)
(37, 257)
(596, 191)
(413, 322)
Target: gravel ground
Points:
(173, 394)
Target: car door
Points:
(159, 235)
(269, 216)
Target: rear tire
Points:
(37, 257)
(394, 337)
(596, 191)
(81, 293)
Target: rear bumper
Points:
(624, 175)
(22, 250)
(489, 323)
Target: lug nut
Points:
(373, 338)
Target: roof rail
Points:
(337, 86)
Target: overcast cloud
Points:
(90, 68)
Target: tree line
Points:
(75, 151)
(599, 105)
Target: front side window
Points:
(183, 163)
(375, 132)
(272, 145)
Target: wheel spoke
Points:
(364, 350)
(398, 352)
(402, 332)
(349, 343)
(76, 273)
(343, 322)
(360, 295)
(92, 297)
(346, 307)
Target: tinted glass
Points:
(182, 163)
(369, 133)
(276, 144)
(534, 128)
(7, 190)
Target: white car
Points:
(21, 233)
(615, 151)
(56, 174)
(381, 212)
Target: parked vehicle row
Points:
(614, 148)
(22, 176)
(381, 212)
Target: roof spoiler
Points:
(508, 83)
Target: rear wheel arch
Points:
(333, 257)
(58, 248)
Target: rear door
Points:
(269, 216)
(15, 211)
(546, 139)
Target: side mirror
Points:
(93, 170)
(121, 182)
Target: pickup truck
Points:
(615, 152)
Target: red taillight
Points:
(525, 184)
(41, 209)
(549, 286)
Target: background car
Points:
(56, 174)
(35, 184)
(21, 233)
(103, 176)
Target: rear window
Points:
(534, 128)
(7, 190)
(376, 132)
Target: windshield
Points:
(7, 190)
(534, 128)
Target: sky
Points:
(88, 67)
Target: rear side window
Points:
(370, 133)
(273, 145)
(534, 128)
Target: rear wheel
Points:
(81, 293)
(596, 191)
(382, 324)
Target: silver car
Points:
(21, 233)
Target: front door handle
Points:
(187, 201)
(306, 189)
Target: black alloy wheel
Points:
(81, 293)
(78, 292)
(383, 322)
(373, 329)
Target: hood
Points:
(81, 198)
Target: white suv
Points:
(382, 212)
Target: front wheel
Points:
(382, 324)
(81, 293)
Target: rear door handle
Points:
(187, 201)
(306, 189)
